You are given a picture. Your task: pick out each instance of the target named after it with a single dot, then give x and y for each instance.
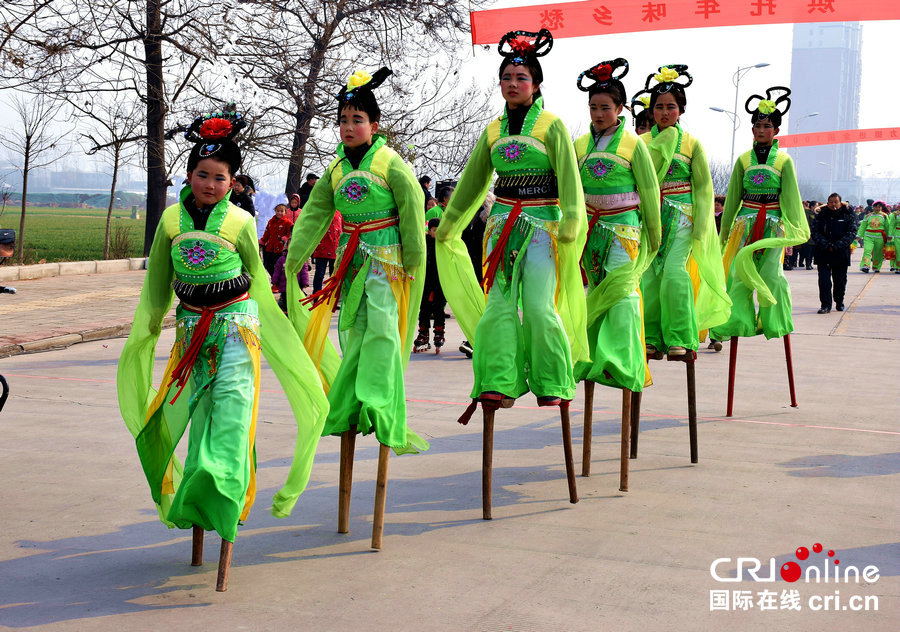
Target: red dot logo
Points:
(790, 572)
(830, 553)
(817, 548)
(802, 553)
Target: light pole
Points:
(830, 175)
(805, 116)
(735, 120)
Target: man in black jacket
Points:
(833, 231)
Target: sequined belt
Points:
(674, 188)
(527, 187)
(595, 215)
(761, 198)
(333, 286)
(182, 372)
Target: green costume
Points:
(219, 375)
(435, 212)
(873, 230)
(893, 234)
(379, 277)
(763, 214)
(684, 286)
(532, 244)
(621, 197)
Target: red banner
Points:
(839, 136)
(599, 17)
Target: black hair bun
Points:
(216, 126)
(602, 73)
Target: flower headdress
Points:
(212, 136)
(519, 51)
(603, 74)
(216, 126)
(358, 91)
(767, 108)
(667, 79)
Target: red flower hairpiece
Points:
(215, 128)
(522, 47)
(602, 72)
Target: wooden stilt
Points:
(348, 447)
(588, 428)
(487, 468)
(567, 449)
(224, 566)
(732, 364)
(692, 406)
(197, 547)
(384, 454)
(626, 440)
(635, 421)
(789, 361)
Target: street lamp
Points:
(805, 116)
(830, 175)
(735, 120)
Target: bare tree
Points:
(299, 52)
(721, 176)
(32, 140)
(147, 49)
(116, 127)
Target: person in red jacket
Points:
(271, 241)
(326, 252)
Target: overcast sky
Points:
(712, 55)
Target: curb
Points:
(65, 268)
(67, 340)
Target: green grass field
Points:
(74, 234)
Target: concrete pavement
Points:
(81, 547)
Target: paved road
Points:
(81, 547)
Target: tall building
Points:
(825, 78)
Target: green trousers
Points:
(617, 352)
(873, 251)
(217, 468)
(513, 356)
(669, 316)
(368, 390)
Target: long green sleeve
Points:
(648, 191)
(863, 225)
(702, 194)
(135, 370)
(561, 153)
(733, 201)
(410, 202)
(314, 222)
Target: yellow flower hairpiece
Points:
(645, 100)
(766, 106)
(666, 75)
(357, 79)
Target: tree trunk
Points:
(156, 117)
(112, 197)
(25, 169)
(305, 112)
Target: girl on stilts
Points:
(205, 251)
(379, 276)
(763, 214)
(674, 313)
(534, 237)
(621, 197)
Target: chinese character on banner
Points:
(767, 600)
(790, 599)
(894, 134)
(552, 19)
(654, 12)
(603, 16)
(718, 600)
(759, 5)
(706, 7)
(742, 600)
(824, 6)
